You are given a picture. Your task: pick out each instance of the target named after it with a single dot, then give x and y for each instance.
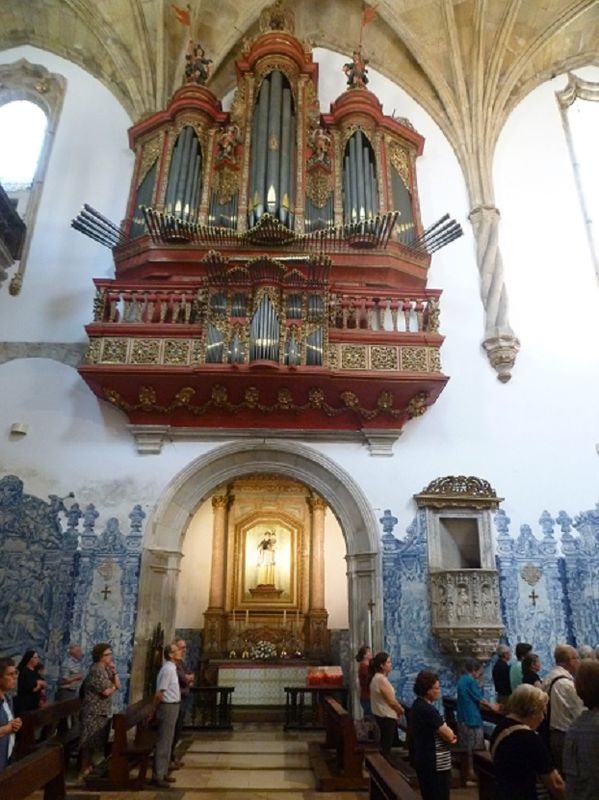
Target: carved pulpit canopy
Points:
(464, 585)
(458, 491)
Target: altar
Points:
(261, 683)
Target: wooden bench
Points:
(55, 722)
(211, 708)
(344, 770)
(42, 769)
(132, 747)
(485, 771)
(385, 782)
(400, 761)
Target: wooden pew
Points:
(49, 723)
(386, 783)
(344, 772)
(42, 769)
(132, 747)
(400, 761)
(485, 771)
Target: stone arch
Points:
(168, 524)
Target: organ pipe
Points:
(272, 167)
(260, 151)
(291, 169)
(173, 171)
(285, 156)
(361, 208)
(185, 176)
(367, 169)
(360, 201)
(274, 142)
(252, 200)
(353, 176)
(183, 169)
(264, 332)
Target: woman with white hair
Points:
(523, 766)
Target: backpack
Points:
(543, 729)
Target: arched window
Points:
(22, 131)
(579, 105)
(30, 104)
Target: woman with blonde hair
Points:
(523, 766)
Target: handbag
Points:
(367, 731)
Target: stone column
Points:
(215, 617)
(317, 634)
(216, 599)
(157, 603)
(319, 508)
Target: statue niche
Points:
(272, 563)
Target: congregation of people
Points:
(23, 689)
(543, 738)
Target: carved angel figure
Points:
(355, 71)
(227, 140)
(197, 66)
(321, 144)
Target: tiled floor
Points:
(254, 762)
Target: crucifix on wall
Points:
(533, 597)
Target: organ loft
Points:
(271, 272)
(270, 276)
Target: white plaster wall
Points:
(194, 580)
(533, 438)
(335, 583)
(90, 163)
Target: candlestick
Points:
(247, 616)
(284, 616)
(233, 616)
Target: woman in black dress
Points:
(523, 766)
(431, 737)
(29, 685)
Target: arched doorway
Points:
(168, 524)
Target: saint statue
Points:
(267, 559)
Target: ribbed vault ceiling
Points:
(468, 62)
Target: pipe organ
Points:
(271, 269)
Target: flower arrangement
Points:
(262, 651)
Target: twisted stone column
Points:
(500, 343)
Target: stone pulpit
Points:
(464, 584)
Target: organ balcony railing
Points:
(236, 325)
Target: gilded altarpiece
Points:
(268, 538)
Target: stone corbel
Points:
(380, 442)
(149, 438)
